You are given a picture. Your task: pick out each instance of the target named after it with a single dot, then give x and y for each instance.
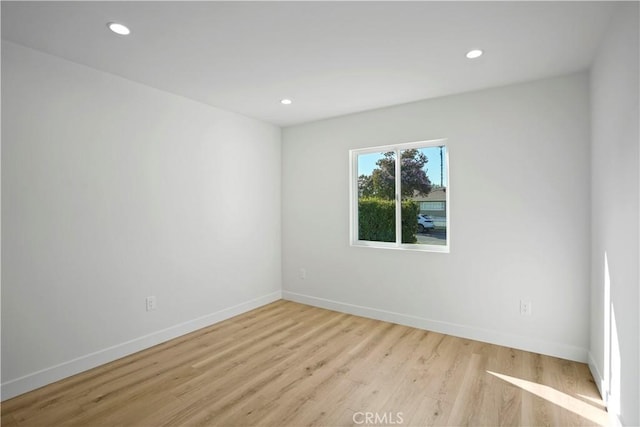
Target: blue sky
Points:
(367, 163)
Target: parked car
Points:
(425, 223)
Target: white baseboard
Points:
(608, 399)
(49, 375)
(598, 378)
(563, 351)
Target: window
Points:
(401, 204)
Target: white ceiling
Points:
(331, 58)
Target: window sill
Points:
(401, 247)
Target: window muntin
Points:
(401, 204)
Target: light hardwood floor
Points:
(288, 364)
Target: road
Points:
(434, 237)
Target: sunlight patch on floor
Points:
(570, 403)
(595, 400)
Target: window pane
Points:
(424, 211)
(376, 197)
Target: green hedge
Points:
(377, 220)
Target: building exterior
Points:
(434, 204)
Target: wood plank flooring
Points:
(288, 364)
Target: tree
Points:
(381, 182)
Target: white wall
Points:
(519, 180)
(615, 329)
(113, 191)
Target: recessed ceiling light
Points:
(475, 53)
(119, 28)
(285, 101)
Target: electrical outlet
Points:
(525, 307)
(303, 273)
(151, 303)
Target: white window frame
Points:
(354, 194)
